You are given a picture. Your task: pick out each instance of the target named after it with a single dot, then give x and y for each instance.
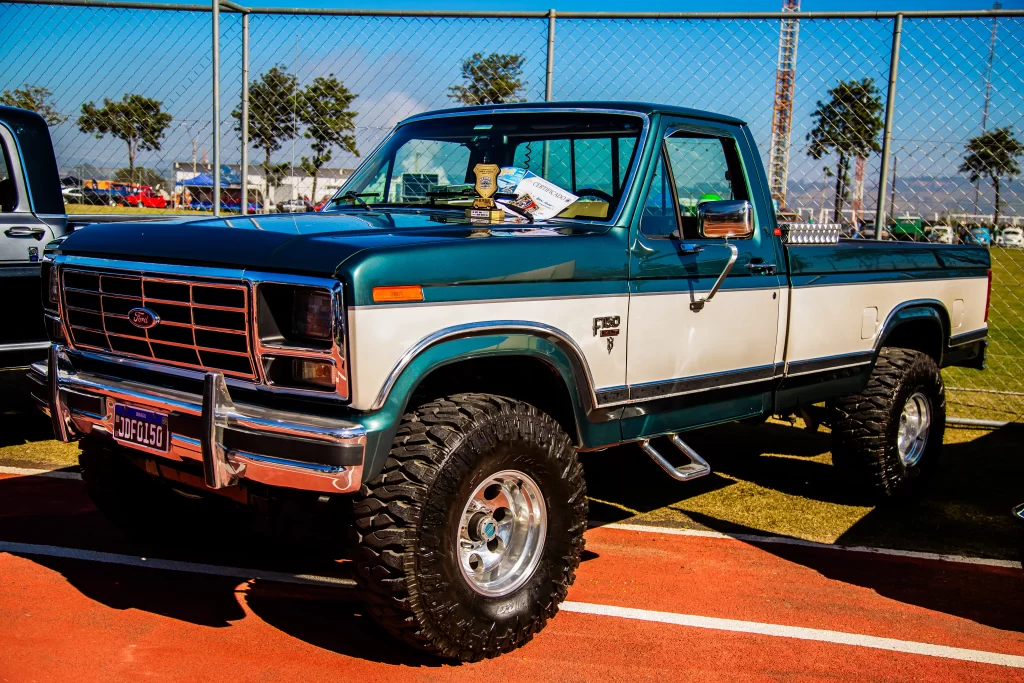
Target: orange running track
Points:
(66, 619)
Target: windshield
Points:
(430, 162)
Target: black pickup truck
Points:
(31, 215)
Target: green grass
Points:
(92, 210)
(1005, 365)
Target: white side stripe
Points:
(26, 472)
(820, 635)
(752, 538)
(172, 565)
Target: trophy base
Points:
(485, 215)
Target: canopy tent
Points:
(229, 179)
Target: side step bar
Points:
(697, 467)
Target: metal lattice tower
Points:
(782, 116)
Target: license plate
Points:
(138, 427)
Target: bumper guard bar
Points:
(79, 403)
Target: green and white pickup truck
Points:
(445, 375)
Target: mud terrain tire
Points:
(406, 529)
(866, 433)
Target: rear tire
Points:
(889, 436)
(414, 548)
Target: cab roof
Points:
(638, 107)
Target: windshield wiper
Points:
(356, 198)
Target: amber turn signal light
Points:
(398, 293)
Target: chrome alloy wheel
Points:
(501, 533)
(915, 423)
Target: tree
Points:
(273, 105)
(992, 155)
(849, 125)
(273, 175)
(494, 79)
(137, 120)
(142, 176)
(34, 98)
(324, 108)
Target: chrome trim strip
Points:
(968, 337)
(24, 346)
(697, 383)
(460, 302)
(894, 281)
(827, 363)
(478, 329)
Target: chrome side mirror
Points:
(726, 218)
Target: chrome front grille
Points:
(202, 324)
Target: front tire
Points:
(436, 546)
(889, 436)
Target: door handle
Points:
(698, 305)
(761, 268)
(689, 248)
(25, 231)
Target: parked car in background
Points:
(142, 198)
(75, 195)
(978, 236)
(293, 206)
(941, 234)
(1011, 238)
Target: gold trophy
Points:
(484, 209)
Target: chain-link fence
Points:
(129, 91)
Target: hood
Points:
(362, 242)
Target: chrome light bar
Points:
(811, 233)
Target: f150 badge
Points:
(608, 327)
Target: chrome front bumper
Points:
(232, 441)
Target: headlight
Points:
(300, 337)
(295, 316)
(311, 313)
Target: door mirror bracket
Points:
(698, 305)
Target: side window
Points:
(701, 168)
(8, 192)
(659, 214)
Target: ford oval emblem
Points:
(143, 318)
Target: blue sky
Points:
(652, 5)
(400, 66)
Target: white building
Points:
(294, 185)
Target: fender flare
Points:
(489, 339)
(917, 310)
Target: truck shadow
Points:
(20, 420)
(963, 511)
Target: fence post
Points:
(549, 78)
(245, 113)
(216, 107)
(890, 104)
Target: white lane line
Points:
(694, 621)
(752, 538)
(173, 565)
(26, 472)
(800, 633)
(749, 538)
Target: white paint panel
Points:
(780, 333)
(380, 335)
(667, 340)
(826, 321)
